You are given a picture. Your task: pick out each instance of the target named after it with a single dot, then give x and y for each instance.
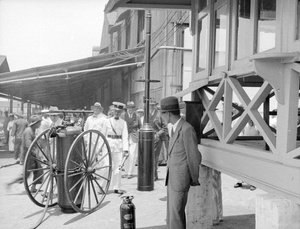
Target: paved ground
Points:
(17, 210)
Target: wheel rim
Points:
(40, 161)
(88, 171)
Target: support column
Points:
(199, 205)
(274, 212)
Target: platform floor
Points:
(17, 210)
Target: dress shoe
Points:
(129, 176)
(118, 191)
(124, 176)
(252, 188)
(237, 185)
(33, 190)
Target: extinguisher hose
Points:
(46, 207)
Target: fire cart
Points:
(70, 168)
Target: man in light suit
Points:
(184, 160)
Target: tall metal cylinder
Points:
(146, 158)
(63, 144)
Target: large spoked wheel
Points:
(88, 171)
(39, 172)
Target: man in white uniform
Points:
(133, 125)
(117, 137)
(97, 122)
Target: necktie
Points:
(172, 133)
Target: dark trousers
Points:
(17, 147)
(176, 202)
(157, 148)
(37, 174)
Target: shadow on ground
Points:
(237, 222)
(154, 227)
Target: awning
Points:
(193, 86)
(148, 4)
(68, 85)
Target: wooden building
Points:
(237, 45)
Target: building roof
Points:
(69, 84)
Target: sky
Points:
(41, 32)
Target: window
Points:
(203, 43)
(266, 25)
(220, 36)
(243, 32)
(141, 26)
(115, 41)
(127, 31)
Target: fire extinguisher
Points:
(127, 213)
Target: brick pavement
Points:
(17, 210)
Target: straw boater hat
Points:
(112, 107)
(119, 106)
(152, 102)
(140, 110)
(53, 110)
(130, 104)
(170, 104)
(19, 114)
(44, 111)
(34, 119)
(97, 105)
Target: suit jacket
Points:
(184, 158)
(158, 125)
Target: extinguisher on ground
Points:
(127, 213)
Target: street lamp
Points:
(146, 133)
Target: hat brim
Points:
(93, 107)
(50, 113)
(181, 106)
(19, 115)
(31, 124)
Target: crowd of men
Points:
(120, 126)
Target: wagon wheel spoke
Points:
(42, 184)
(88, 175)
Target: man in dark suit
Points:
(161, 133)
(184, 160)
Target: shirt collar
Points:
(175, 125)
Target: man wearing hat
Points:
(161, 132)
(184, 160)
(133, 125)
(27, 138)
(95, 121)
(117, 136)
(18, 128)
(54, 115)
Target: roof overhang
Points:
(148, 4)
(68, 85)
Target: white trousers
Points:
(131, 160)
(116, 173)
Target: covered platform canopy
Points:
(144, 4)
(68, 85)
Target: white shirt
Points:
(175, 125)
(95, 122)
(170, 127)
(45, 125)
(116, 127)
